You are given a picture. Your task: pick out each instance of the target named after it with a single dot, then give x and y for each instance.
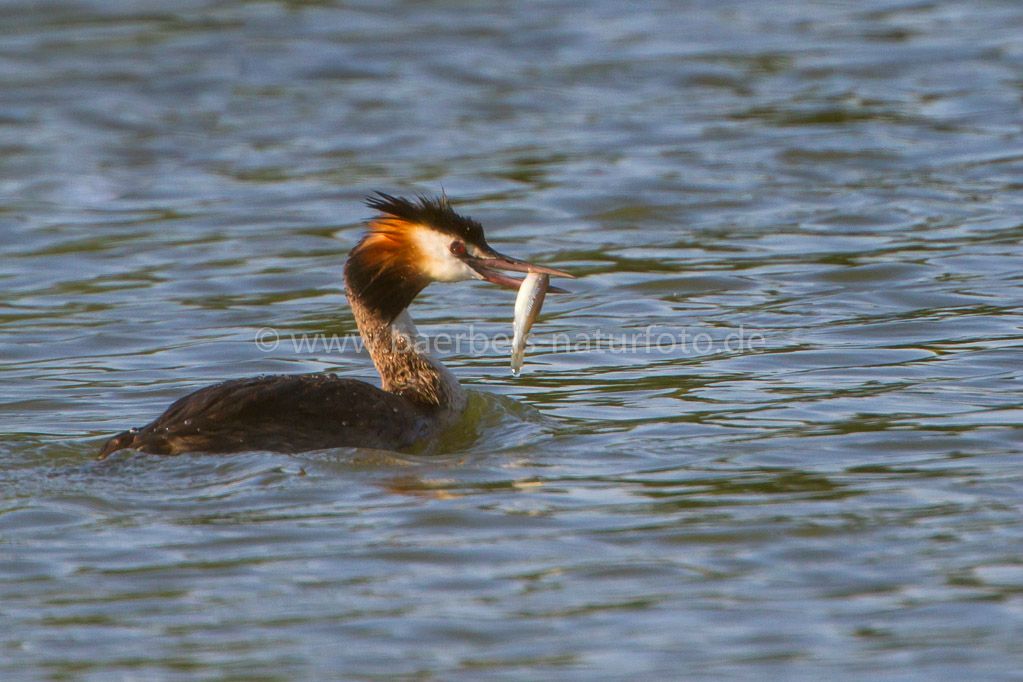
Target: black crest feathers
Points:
(436, 213)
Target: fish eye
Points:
(457, 248)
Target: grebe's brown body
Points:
(411, 244)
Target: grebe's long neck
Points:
(382, 277)
(402, 358)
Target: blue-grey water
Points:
(839, 496)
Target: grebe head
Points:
(413, 243)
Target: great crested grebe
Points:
(409, 245)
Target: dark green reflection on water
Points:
(840, 503)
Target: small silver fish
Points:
(527, 307)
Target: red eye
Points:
(457, 248)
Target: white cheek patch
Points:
(437, 261)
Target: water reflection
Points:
(842, 179)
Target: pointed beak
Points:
(490, 266)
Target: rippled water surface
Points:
(838, 498)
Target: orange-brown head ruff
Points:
(406, 248)
(413, 243)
